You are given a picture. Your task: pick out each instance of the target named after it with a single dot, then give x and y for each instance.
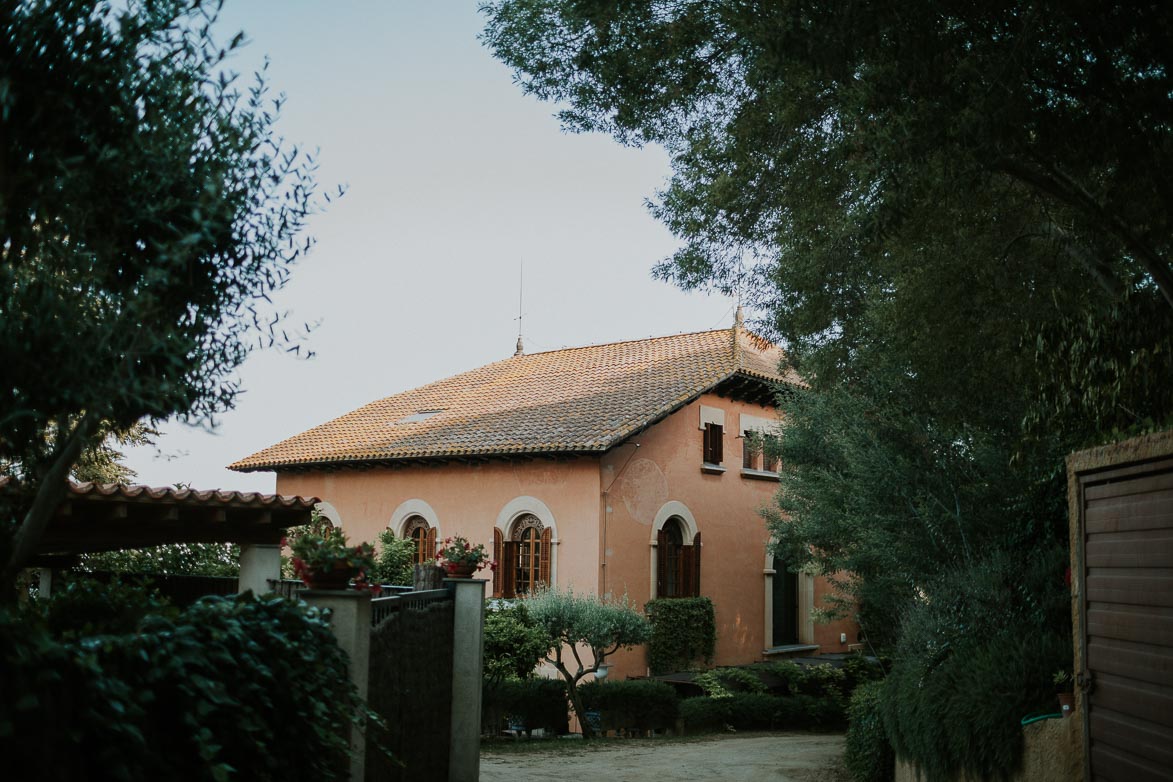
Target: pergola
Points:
(110, 517)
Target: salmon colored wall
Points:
(667, 467)
(467, 500)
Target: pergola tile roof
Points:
(575, 400)
(106, 517)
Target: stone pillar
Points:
(259, 562)
(468, 646)
(45, 583)
(350, 616)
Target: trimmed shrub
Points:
(759, 711)
(638, 704)
(868, 755)
(684, 633)
(232, 688)
(534, 703)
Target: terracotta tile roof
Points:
(212, 498)
(169, 495)
(563, 401)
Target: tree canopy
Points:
(955, 217)
(855, 172)
(147, 212)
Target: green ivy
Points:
(231, 689)
(684, 632)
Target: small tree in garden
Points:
(601, 625)
(514, 643)
(395, 559)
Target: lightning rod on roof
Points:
(520, 289)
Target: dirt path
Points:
(778, 757)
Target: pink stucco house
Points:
(622, 468)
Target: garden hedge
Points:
(637, 704)
(533, 703)
(759, 711)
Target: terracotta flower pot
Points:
(460, 571)
(1066, 703)
(338, 578)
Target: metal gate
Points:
(410, 685)
(1122, 509)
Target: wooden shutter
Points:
(497, 556)
(429, 546)
(661, 562)
(544, 567)
(508, 569)
(714, 435)
(696, 566)
(684, 561)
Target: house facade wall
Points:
(606, 511)
(469, 500)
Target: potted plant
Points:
(1064, 688)
(461, 559)
(324, 560)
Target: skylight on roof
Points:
(415, 418)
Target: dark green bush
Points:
(534, 703)
(759, 711)
(638, 704)
(684, 632)
(232, 688)
(867, 754)
(973, 659)
(82, 607)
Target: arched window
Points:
(416, 528)
(523, 561)
(678, 566)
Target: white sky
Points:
(453, 177)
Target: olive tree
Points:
(147, 213)
(570, 621)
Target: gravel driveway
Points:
(779, 757)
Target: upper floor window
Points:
(416, 528)
(712, 424)
(758, 452)
(714, 443)
(678, 565)
(523, 557)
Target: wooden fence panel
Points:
(1122, 542)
